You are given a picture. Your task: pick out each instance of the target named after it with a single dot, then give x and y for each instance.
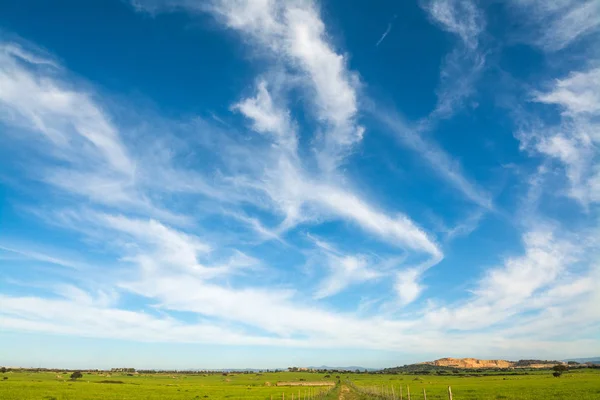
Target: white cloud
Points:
(399, 230)
(463, 65)
(66, 117)
(294, 33)
(269, 119)
(459, 74)
(293, 190)
(558, 24)
(517, 286)
(40, 256)
(574, 141)
(18, 51)
(191, 269)
(407, 285)
(579, 93)
(440, 162)
(517, 292)
(460, 17)
(519, 278)
(344, 270)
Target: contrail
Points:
(389, 28)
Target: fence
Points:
(392, 392)
(309, 393)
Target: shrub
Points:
(560, 368)
(76, 375)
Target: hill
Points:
(445, 364)
(594, 360)
(468, 363)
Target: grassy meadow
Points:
(581, 384)
(46, 386)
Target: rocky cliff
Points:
(470, 363)
(476, 363)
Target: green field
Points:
(581, 384)
(46, 386)
(578, 384)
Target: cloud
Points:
(172, 218)
(39, 256)
(577, 94)
(461, 18)
(267, 119)
(515, 289)
(558, 24)
(463, 65)
(439, 161)
(178, 270)
(407, 285)
(65, 117)
(344, 270)
(16, 50)
(520, 291)
(292, 189)
(573, 142)
(294, 33)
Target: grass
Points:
(46, 386)
(579, 384)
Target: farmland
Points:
(92, 386)
(581, 384)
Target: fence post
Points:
(408, 392)
(449, 393)
(393, 393)
(424, 394)
(401, 392)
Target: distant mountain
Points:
(595, 360)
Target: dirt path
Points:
(349, 394)
(344, 393)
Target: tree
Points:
(560, 368)
(76, 375)
(3, 370)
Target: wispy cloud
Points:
(43, 257)
(294, 33)
(462, 18)
(439, 161)
(464, 64)
(204, 223)
(574, 141)
(558, 24)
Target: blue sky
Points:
(212, 184)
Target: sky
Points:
(265, 183)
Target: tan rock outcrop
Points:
(470, 363)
